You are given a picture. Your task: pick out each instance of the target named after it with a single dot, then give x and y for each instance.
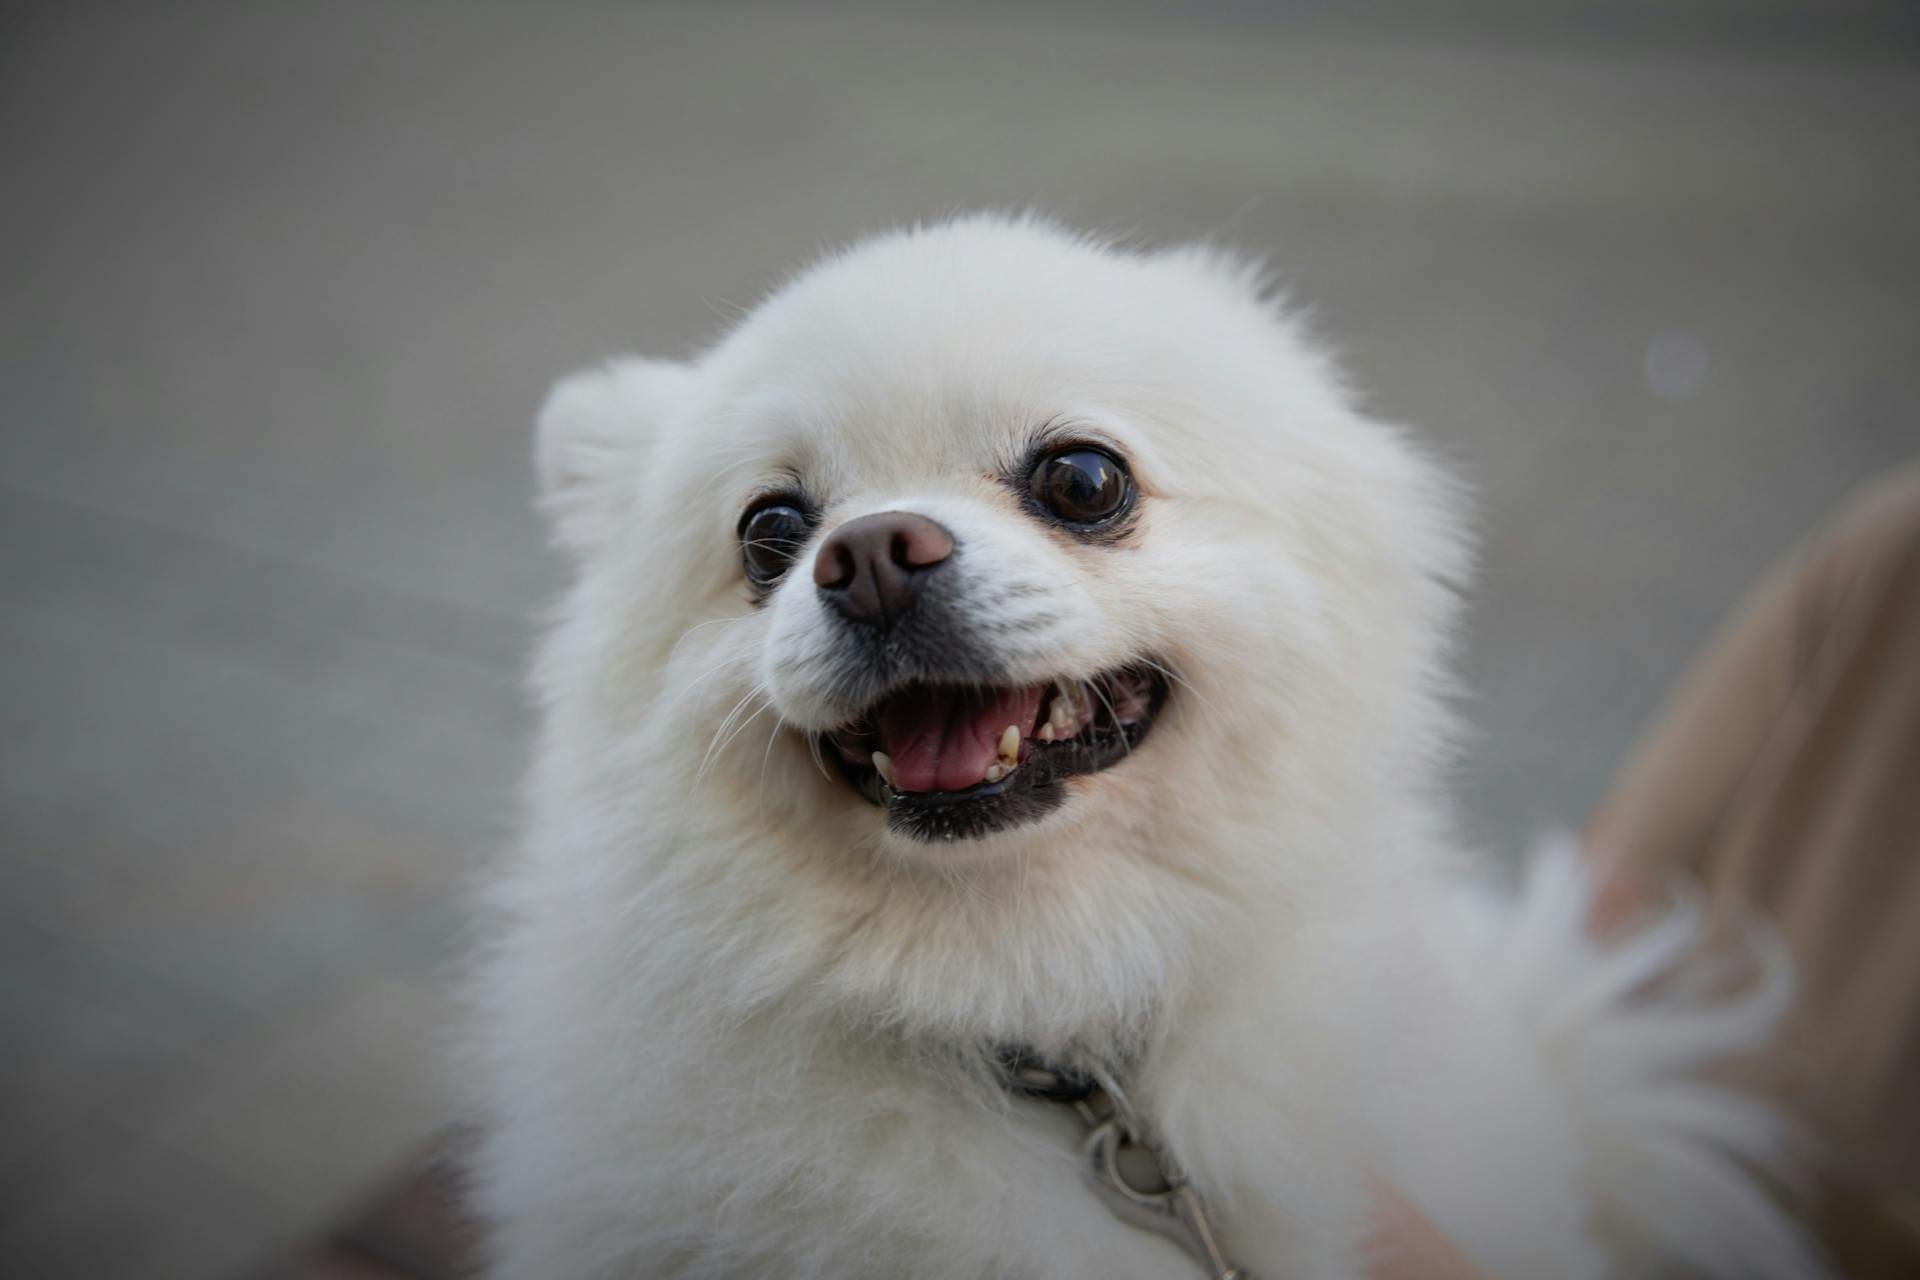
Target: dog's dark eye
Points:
(770, 537)
(1081, 484)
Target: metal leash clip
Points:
(1137, 1182)
(1128, 1171)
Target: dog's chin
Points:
(951, 762)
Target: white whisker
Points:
(819, 758)
(1111, 714)
(738, 729)
(1175, 678)
(702, 626)
(693, 686)
(713, 743)
(766, 758)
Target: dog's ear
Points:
(591, 441)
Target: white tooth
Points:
(883, 765)
(1064, 716)
(1046, 731)
(996, 771)
(1010, 745)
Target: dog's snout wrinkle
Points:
(871, 569)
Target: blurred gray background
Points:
(283, 284)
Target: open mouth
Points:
(956, 762)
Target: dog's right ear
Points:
(591, 440)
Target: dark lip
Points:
(1027, 794)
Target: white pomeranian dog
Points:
(987, 822)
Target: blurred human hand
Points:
(1404, 1245)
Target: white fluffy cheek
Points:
(1241, 623)
(797, 665)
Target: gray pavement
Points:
(283, 284)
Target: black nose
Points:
(870, 569)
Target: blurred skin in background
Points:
(1408, 1247)
(1782, 777)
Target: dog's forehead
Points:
(901, 365)
(949, 352)
(884, 425)
(914, 403)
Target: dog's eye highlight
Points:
(1081, 485)
(770, 537)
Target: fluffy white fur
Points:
(732, 1027)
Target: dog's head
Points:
(987, 539)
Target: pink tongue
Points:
(941, 740)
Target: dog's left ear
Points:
(591, 441)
